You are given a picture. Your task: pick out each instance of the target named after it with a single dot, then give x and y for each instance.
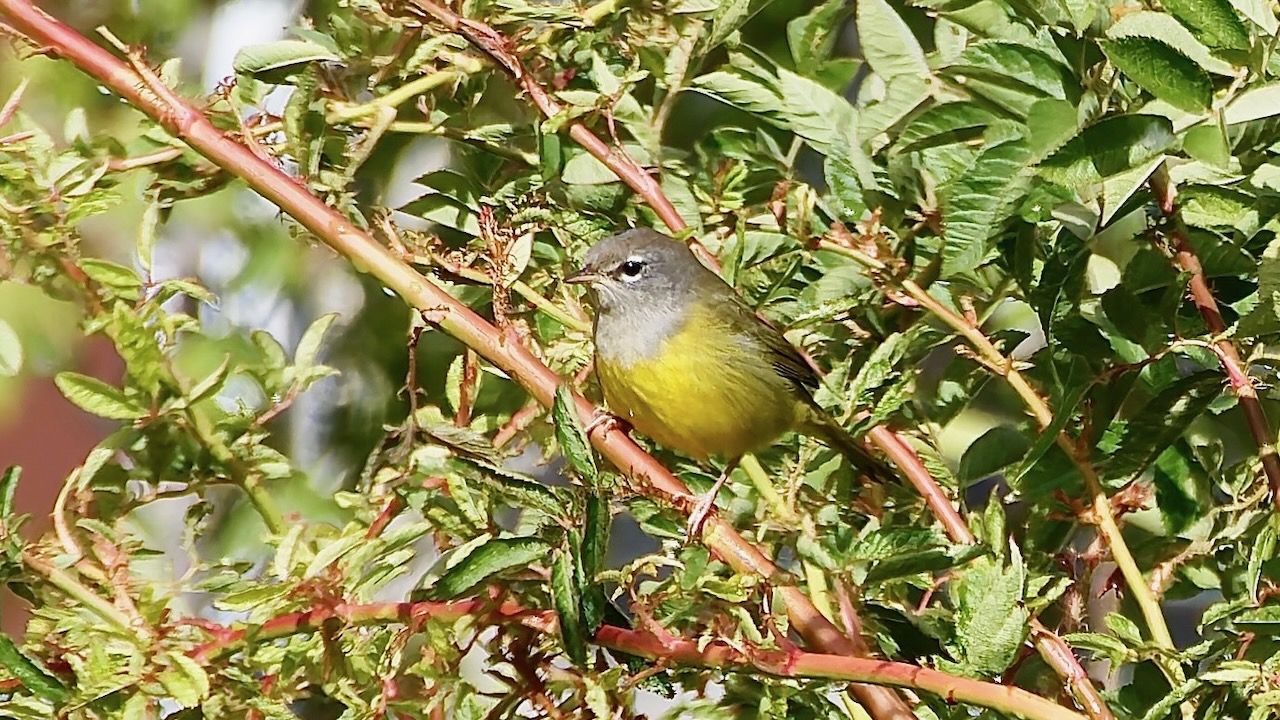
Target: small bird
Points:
(683, 359)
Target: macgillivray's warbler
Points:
(682, 358)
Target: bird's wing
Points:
(783, 356)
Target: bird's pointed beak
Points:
(585, 276)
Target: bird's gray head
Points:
(640, 271)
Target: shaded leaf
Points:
(1108, 148)
(975, 205)
(566, 593)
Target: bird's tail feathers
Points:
(838, 439)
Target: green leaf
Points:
(879, 368)
(993, 450)
(1011, 75)
(208, 387)
(1106, 646)
(96, 397)
(118, 279)
(572, 436)
(309, 344)
(849, 175)
(1162, 71)
(1254, 104)
(184, 680)
(10, 351)
(483, 560)
(31, 674)
(1234, 672)
(1214, 22)
(790, 101)
(1261, 551)
(1124, 628)
(567, 596)
(8, 486)
(1159, 423)
(932, 560)
(1112, 146)
(1166, 29)
(1179, 497)
(592, 556)
(256, 59)
(975, 205)
(729, 16)
(812, 37)
(887, 43)
(990, 617)
(946, 124)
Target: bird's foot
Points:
(604, 419)
(698, 517)
(702, 509)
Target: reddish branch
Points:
(788, 663)
(800, 664)
(1184, 257)
(227, 641)
(136, 84)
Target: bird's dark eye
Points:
(631, 268)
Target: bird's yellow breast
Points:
(705, 391)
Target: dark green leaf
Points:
(1179, 496)
(572, 436)
(1108, 148)
(32, 676)
(1165, 417)
(996, 448)
(592, 556)
(1162, 71)
(932, 560)
(1214, 22)
(486, 560)
(567, 595)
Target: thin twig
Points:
(498, 47)
(1184, 257)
